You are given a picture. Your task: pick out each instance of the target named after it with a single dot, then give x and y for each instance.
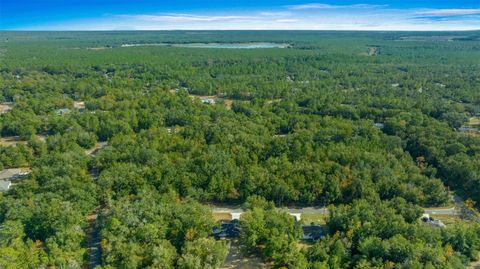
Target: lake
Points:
(251, 45)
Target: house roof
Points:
(227, 229)
(312, 232)
(208, 100)
(5, 185)
(79, 104)
(63, 111)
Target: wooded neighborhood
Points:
(116, 157)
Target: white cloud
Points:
(328, 6)
(448, 12)
(275, 13)
(299, 17)
(287, 20)
(185, 18)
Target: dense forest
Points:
(368, 124)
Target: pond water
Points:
(252, 45)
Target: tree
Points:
(204, 253)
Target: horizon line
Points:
(232, 30)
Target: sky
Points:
(239, 15)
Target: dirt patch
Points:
(304, 244)
(238, 259)
(228, 103)
(222, 216)
(373, 51)
(5, 107)
(475, 264)
(98, 146)
(17, 140)
(42, 138)
(93, 239)
(473, 133)
(12, 141)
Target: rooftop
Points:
(312, 232)
(80, 105)
(227, 229)
(5, 185)
(62, 111)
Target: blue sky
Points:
(248, 14)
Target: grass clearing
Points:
(474, 121)
(446, 219)
(314, 218)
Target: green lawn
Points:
(314, 218)
(446, 219)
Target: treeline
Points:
(364, 234)
(44, 217)
(274, 150)
(455, 157)
(150, 230)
